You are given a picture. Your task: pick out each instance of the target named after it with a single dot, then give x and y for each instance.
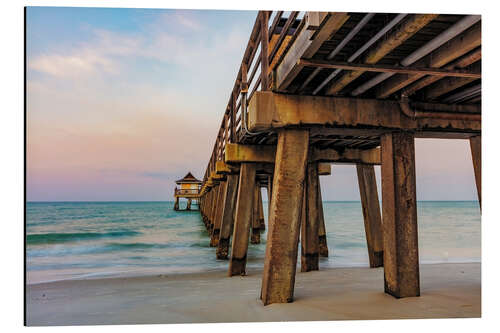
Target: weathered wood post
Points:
(261, 212)
(214, 239)
(255, 237)
(323, 246)
(213, 208)
(176, 205)
(280, 263)
(475, 147)
(269, 195)
(188, 207)
(371, 214)
(227, 216)
(242, 220)
(310, 222)
(399, 206)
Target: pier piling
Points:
(227, 221)
(371, 214)
(278, 278)
(242, 220)
(399, 204)
(310, 222)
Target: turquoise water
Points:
(68, 240)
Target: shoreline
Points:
(450, 290)
(159, 273)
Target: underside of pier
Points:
(321, 88)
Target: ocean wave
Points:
(54, 238)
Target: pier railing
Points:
(267, 44)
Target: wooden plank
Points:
(303, 46)
(268, 110)
(369, 156)
(310, 222)
(399, 206)
(449, 84)
(371, 214)
(280, 262)
(462, 62)
(397, 37)
(284, 31)
(475, 147)
(242, 220)
(448, 52)
(389, 69)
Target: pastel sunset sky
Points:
(122, 102)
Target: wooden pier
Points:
(320, 88)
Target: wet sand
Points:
(447, 291)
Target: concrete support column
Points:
(399, 207)
(310, 222)
(214, 239)
(280, 263)
(475, 147)
(255, 237)
(371, 214)
(242, 220)
(323, 246)
(227, 217)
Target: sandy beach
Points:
(447, 291)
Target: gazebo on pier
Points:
(189, 189)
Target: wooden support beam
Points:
(239, 153)
(305, 46)
(371, 214)
(475, 147)
(227, 216)
(176, 205)
(310, 222)
(318, 63)
(408, 28)
(268, 110)
(255, 236)
(242, 220)
(368, 156)
(323, 246)
(324, 169)
(261, 212)
(213, 210)
(280, 263)
(221, 197)
(399, 205)
(450, 51)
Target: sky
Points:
(122, 102)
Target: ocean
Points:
(75, 240)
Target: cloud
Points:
(83, 62)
